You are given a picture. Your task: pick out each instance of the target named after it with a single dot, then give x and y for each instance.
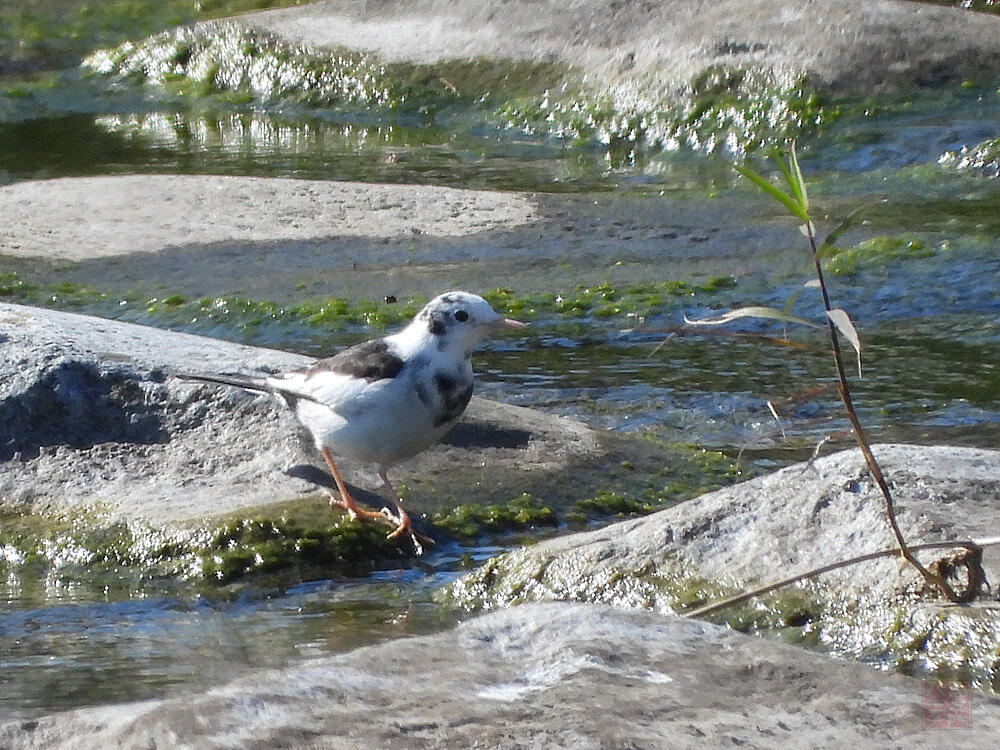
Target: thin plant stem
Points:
(859, 434)
(714, 607)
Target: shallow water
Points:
(930, 325)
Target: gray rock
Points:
(539, 676)
(794, 520)
(858, 46)
(183, 210)
(90, 415)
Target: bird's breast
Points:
(390, 420)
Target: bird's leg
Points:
(405, 525)
(354, 511)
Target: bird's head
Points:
(460, 320)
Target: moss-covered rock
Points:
(230, 62)
(877, 251)
(725, 107)
(802, 517)
(983, 158)
(471, 521)
(287, 548)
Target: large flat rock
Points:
(858, 46)
(540, 676)
(91, 415)
(79, 218)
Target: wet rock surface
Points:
(856, 46)
(551, 675)
(92, 415)
(785, 523)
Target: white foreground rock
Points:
(540, 676)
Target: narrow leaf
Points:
(797, 182)
(789, 177)
(842, 320)
(786, 174)
(774, 413)
(794, 296)
(753, 311)
(777, 193)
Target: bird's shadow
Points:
(463, 435)
(470, 434)
(475, 434)
(321, 478)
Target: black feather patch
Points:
(370, 360)
(422, 394)
(455, 395)
(437, 322)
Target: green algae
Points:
(892, 631)
(635, 300)
(94, 550)
(657, 476)
(925, 639)
(724, 108)
(631, 303)
(262, 546)
(607, 503)
(879, 251)
(287, 543)
(472, 520)
(14, 288)
(693, 472)
(228, 63)
(522, 576)
(300, 540)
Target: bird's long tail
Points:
(247, 382)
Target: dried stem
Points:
(873, 466)
(972, 545)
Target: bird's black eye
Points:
(461, 316)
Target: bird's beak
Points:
(508, 323)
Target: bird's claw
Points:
(403, 525)
(352, 509)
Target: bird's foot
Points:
(402, 524)
(353, 510)
(405, 527)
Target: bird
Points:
(382, 401)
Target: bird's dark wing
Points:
(346, 382)
(370, 360)
(334, 381)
